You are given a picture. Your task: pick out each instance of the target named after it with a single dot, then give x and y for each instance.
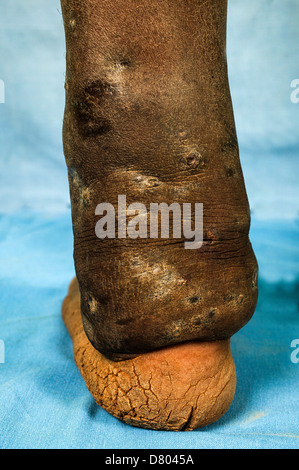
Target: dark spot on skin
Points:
(194, 160)
(124, 321)
(90, 125)
(89, 109)
(196, 321)
(230, 172)
(102, 299)
(237, 298)
(125, 62)
(194, 299)
(229, 297)
(212, 312)
(230, 145)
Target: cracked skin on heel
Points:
(178, 388)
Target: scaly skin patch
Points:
(178, 388)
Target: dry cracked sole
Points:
(178, 388)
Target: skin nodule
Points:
(149, 116)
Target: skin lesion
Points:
(89, 109)
(143, 117)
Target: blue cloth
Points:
(44, 402)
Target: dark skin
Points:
(149, 115)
